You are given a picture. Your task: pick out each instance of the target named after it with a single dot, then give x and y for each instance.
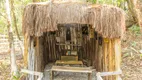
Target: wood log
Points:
(26, 48)
(111, 57)
(117, 56)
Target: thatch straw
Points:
(107, 20)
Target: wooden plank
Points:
(69, 58)
(61, 44)
(99, 74)
(69, 62)
(32, 72)
(72, 69)
(39, 74)
(110, 73)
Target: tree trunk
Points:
(15, 25)
(134, 12)
(14, 69)
(14, 19)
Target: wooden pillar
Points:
(111, 57)
(117, 56)
(96, 53)
(26, 48)
(39, 64)
(105, 56)
(99, 58)
(31, 58)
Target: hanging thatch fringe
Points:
(107, 20)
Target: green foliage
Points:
(16, 76)
(113, 2)
(110, 2)
(133, 44)
(19, 7)
(2, 17)
(135, 29)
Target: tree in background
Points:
(14, 69)
(14, 18)
(133, 11)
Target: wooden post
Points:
(89, 76)
(100, 58)
(52, 75)
(26, 48)
(111, 57)
(39, 62)
(96, 54)
(117, 56)
(31, 58)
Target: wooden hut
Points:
(94, 31)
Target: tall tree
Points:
(14, 69)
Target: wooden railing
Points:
(100, 74)
(39, 74)
(4, 43)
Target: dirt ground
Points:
(131, 59)
(131, 56)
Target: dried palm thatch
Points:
(107, 20)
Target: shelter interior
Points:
(70, 40)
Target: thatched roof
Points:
(106, 20)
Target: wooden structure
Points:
(72, 69)
(53, 28)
